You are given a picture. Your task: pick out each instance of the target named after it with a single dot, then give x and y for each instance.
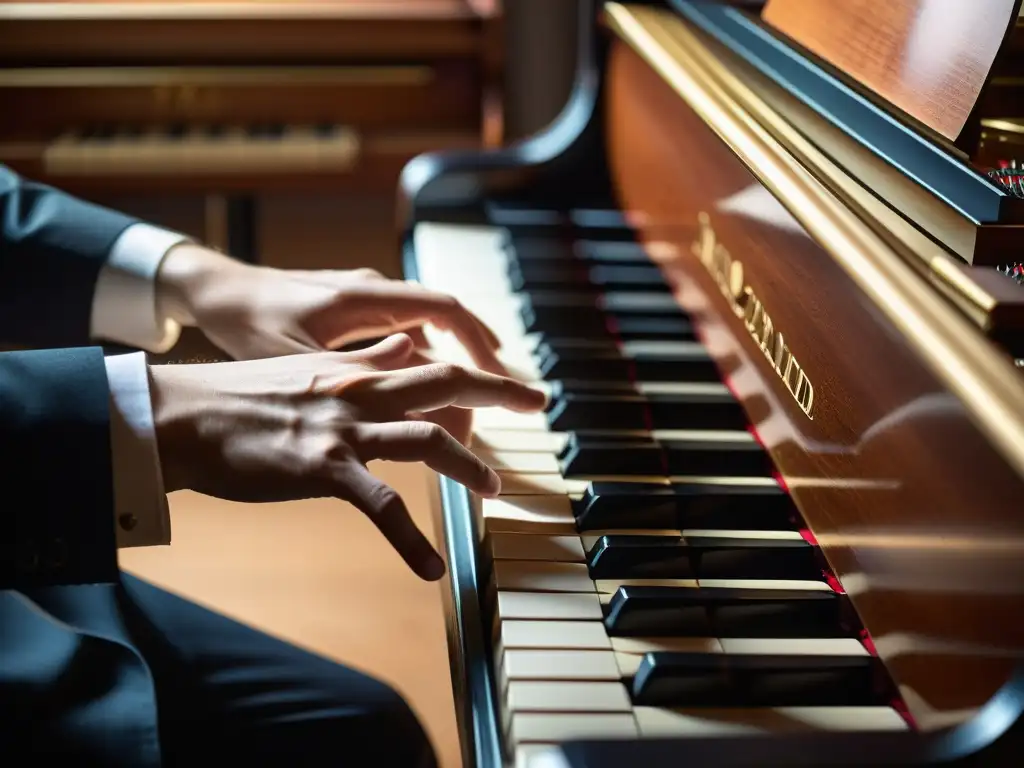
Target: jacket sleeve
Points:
(52, 247)
(57, 503)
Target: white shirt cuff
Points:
(124, 306)
(141, 514)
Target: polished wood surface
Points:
(917, 511)
(930, 58)
(195, 32)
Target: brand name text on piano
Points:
(728, 273)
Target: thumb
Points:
(392, 352)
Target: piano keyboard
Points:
(647, 576)
(191, 150)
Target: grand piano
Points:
(774, 512)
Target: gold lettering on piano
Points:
(727, 272)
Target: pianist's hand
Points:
(255, 312)
(305, 426)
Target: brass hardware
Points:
(727, 273)
(986, 383)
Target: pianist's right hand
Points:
(305, 426)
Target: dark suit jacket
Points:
(68, 668)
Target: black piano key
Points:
(777, 613)
(722, 458)
(722, 506)
(753, 558)
(627, 505)
(572, 386)
(674, 328)
(576, 314)
(678, 679)
(666, 679)
(716, 612)
(535, 276)
(640, 557)
(588, 452)
(634, 456)
(658, 612)
(663, 557)
(598, 220)
(693, 364)
(697, 410)
(553, 250)
(610, 329)
(576, 412)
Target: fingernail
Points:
(433, 568)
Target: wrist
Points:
(186, 272)
(173, 406)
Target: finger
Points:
(458, 422)
(414, 306)
(439, 385)
(392, 352)
(419, 338)
(388, 512)
(430, 443)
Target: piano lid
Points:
(930, 58)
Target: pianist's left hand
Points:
(255, 312)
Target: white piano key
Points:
(565, 635)
(520, 462)
(525, 514)
(739, 534)
(500, 418)
(520, 440)
(450, 257)
(533, 576)
(638, 646)
(516, 484)
(817, 586)
(528, 753)
(565, 606)
(699, 723)
(559, 665)
(530, 546)
(681, 388)
(564, 696)
(661, 347)
(611, 586)
(547, 727)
